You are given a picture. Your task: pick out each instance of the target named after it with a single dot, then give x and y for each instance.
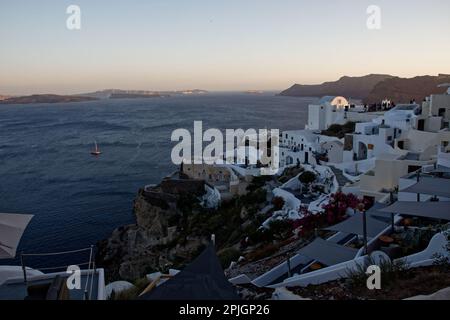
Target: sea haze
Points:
(46, 168)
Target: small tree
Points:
(307, 177)
(278, 203)
(280, 229)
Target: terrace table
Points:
(387, 240)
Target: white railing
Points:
(91, 268)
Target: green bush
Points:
(307, 177)
(260, 236)
(391, 272)
(339, 131)
(278, 203)
(226, 256)
(280, 228)
(262, 252)
(258, 182)
(253, 198)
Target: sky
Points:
(215, 44)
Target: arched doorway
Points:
(289, 160)
(362, 151)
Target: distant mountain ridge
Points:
(403, 90)
(374, 88)
(350, 87)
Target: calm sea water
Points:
(46, 168)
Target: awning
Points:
(354, 225)
(429, 209)
(431, 186)
(327, 252)
(440, 169)
(203, 279)
(12, 227)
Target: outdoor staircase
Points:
(342, 180)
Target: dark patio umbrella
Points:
(203, 279)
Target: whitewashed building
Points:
(329, 110)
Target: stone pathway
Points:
(342, 180)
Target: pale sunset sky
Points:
(215, 44)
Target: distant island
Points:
(97, 95)
(374, 88)
(130, 94)
(254, 92)
(134, 95)
(45, 98)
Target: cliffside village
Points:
(357, 186)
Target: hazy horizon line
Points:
(26, 92)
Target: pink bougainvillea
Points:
(336, 208)
(333, 212)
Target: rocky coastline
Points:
(154, 241)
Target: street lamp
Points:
(362, 209)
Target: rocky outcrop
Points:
(374, 88)
(350, 87)
(152, 244)
(403, 90)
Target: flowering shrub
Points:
(308, 222)
(333, 212)
(336, 209)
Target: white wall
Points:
(444, 159)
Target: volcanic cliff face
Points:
(135, 250)
(403, 90)
(375, 88)
(350, 87)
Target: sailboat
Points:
(96, 151)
